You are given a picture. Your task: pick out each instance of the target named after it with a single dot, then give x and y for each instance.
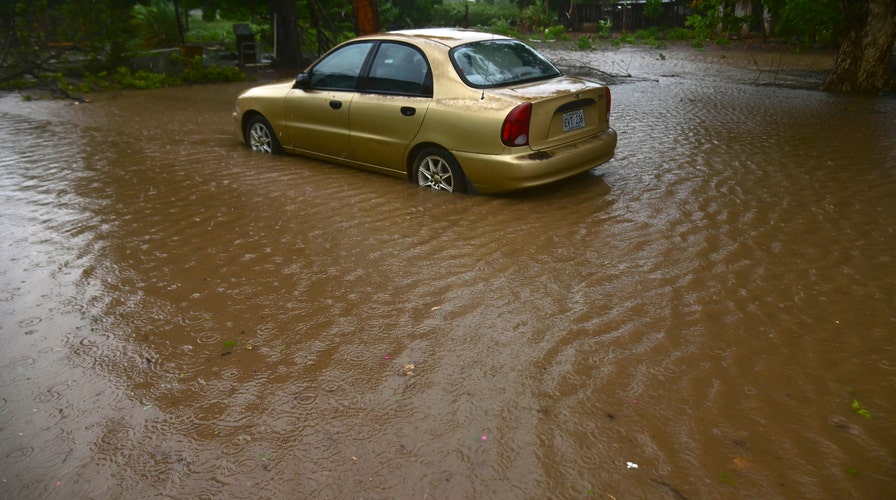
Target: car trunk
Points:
(561, 116)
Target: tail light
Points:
(609, 100)
(515, 130)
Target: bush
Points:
(194, 71)
(556, 32)
(627, 38)
(584, 43)
(142, 79)
(502, 27)
(677, 33)
(538, 16)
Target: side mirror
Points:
(303, 81)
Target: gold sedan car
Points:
(450, 109)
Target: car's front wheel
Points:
(436, 169)
(260, 136)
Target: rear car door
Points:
(388, 112)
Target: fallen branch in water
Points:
(56, 93)
(60, 93)
(580, 68)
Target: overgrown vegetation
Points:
(94, 42)
(68, 61)
(156, 24)
(189, 71)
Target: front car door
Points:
(316, 117)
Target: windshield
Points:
(497, 63)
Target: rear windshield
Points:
(497, 63)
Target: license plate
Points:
(573, 120)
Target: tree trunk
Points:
(180, 24)
(863, 60)
(286, 25)
(757, 19)
(367, 17)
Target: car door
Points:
(388, 112)
(316, 115)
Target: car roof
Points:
(450, 37)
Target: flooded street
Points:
(709, 315)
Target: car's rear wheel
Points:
(436, 169)
(260, 136)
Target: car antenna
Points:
(487, 67)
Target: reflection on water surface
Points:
(181, 317)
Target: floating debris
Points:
(741, 464)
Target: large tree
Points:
(864, 31)
(285, 20)
(863, 60)
(367, 18)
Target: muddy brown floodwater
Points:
(709, 315)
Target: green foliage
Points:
(142, 79)
(502, 27)
(41, 36)
(156, 24)
(604, 28)
(584, 43)
(202, 30)
(860, 409)
(538, 16)
(653, 9)
(477, 14)
(194, 71)
(404, 14)
(712, 14)
(809, 20)
(556, 32)
(642, 35)
(677, 33)
(701, 25)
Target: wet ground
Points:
(709, 315)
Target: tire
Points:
(436, 169)
(260, 136)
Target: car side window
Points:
(399, 69)
(340, 69)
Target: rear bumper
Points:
(509, 172)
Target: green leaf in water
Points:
(860, 409)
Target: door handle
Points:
(408, 111)
(336, 104)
